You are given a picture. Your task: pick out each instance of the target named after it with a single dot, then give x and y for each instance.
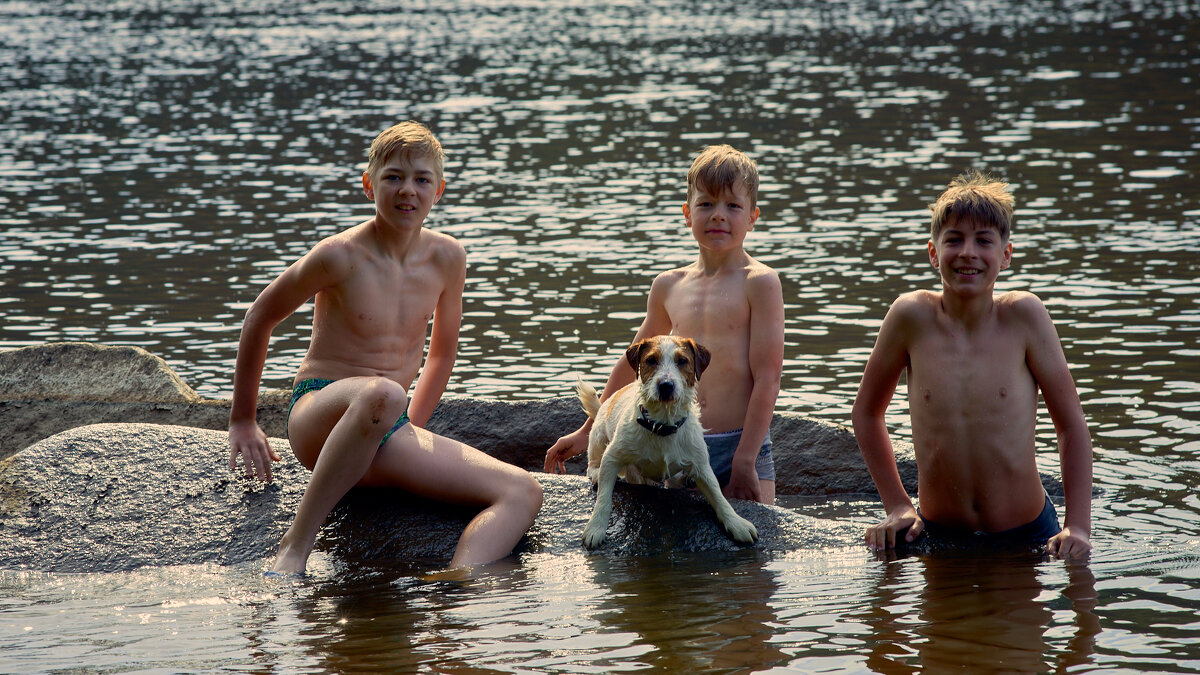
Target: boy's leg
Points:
(336, 432)
(446, 470)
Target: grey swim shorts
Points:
(720, 456)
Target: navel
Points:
(1003, 392)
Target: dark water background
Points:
(160, 162)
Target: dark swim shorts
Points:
(1032, 534)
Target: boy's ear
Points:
(687, 214)
(441, 188)
(1007, 259)
(933, 256)
(367, 189)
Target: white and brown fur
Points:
(667, 369)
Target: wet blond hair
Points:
(406, 140)
(720, 167)
(973, 195)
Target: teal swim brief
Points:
(316, 384)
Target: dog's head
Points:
(668, 367)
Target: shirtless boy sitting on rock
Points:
(351, 420)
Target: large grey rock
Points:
(51, 388)
(55, 387)
(82, 371)
(812, 457)
(118, 496)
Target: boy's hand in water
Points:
(883, 535)
(248, 440)
(1069, 544)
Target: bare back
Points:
(373, 311)
(716, 311)
(973, 403)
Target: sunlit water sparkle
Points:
(161, 162)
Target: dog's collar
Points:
(660, 428)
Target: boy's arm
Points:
(657, 322)
(443, 340)
(276, 302)
(1049, 367)
(765, 293)
(887, 362)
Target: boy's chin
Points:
(969, 284)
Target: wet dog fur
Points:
(664, 395)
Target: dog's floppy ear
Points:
(634, 354)
(700, 355)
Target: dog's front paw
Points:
(593, 535)
(741, 529)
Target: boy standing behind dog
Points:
(350, 422)
(975, 362)
(731, 304)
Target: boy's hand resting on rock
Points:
(248, 440)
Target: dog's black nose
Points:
(666, 391)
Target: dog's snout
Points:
(666, 390)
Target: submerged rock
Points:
(114, 497)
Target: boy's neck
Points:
(394, 241)
(967, 310)
(712, 261)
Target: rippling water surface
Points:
(160, 162)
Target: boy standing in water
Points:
(975, 361)
(733, 305)
(351, 421)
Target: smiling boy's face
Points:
(969, 255)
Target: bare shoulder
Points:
(444, 249)
(1022, 307)
(763, 285)
(337, 254)
(915, 305)
(761, 275)
(665, 281)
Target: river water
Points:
(161, 161)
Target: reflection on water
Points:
(160, 162)
(981, 614)
(837, 609)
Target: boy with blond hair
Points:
(733, 305)
(975, 361)
(351, 420)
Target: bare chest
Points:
(715, 314)
(380, 301)
(952, 376)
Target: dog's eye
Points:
(652, 360)
(681, 362)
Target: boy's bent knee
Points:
(527, 492)
(381, 396)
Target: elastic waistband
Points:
(724, 434)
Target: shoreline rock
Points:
(107, 498)
(52, 388)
